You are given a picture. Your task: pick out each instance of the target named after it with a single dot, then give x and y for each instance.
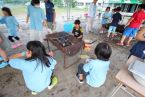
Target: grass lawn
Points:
(22, 10)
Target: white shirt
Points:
(92, 10)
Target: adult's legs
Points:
(50, 25)
(129, 40)
(89, 25)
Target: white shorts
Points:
(36, 35)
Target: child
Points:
(11, 24)
(77, 30)
(37, 19)
(95, 70)
(37, 69)
(116, 18)
(105, 19)
(133, 26)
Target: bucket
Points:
(68, 27)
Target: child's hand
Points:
(51, 54)
(88, 60)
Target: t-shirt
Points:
(11, 23)
(49, 11)
(138, 49)
(106, 17)
(36, 77)
(97, 70)
(138, 18)
(77, 32)
(37, 16)
(116, 18)
(92, 10)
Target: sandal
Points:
(127, 45)
(120, 44)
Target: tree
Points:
(142, 1)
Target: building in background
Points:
(126, 5)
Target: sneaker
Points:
(54, 82)
(11, 38)
(80, 81)
(34, 93)
(50, 87)
(17, 38)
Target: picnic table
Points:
(67, 44)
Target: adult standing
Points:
(91, 16)
(50, 14)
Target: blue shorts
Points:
(130, 32)
(112, 29)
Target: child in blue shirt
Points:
(37, 19)
(11, 24)
(95, 70)
(105, 19)
(37, 69)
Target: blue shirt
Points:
(97, 70)
(49, 11)
(36, 77)
(106, 17)
(11, 23)
(37, 17)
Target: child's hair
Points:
(34, 2)
(118, 9)
(6, 9)
(103, 51)
(38, 53)
(77, 22)
(142, 6)
(114, 9)
(107, 8)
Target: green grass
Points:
(22, 10)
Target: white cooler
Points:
(138, 71)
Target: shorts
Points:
(130, 32)
(112, 29)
